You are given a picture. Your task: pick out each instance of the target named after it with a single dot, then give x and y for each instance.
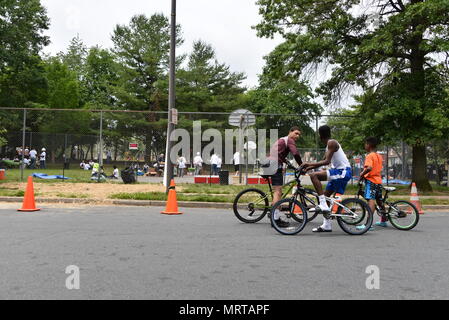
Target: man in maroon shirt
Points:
(279, 152)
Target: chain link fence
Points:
(72, 137)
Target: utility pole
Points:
(168, 174)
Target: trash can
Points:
(2, 174)
(128, 176)
(224, 178)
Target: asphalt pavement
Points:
(137, 253)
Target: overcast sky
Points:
(226, 24)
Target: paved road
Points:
(136, 253)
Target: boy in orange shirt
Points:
(372, 173)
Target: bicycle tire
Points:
(241, 216)
(415, 213)
(302, 223)
(366, 211)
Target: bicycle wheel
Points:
(251, 205)
(403, 215)
(293, 213)
(357, 217)
(311, 203)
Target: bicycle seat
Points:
(390, 189)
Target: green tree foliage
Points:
(288, 96)
(22, 23)
(100, 78)
(368, 45)
(141, 49)
(206, 85)
(63, 93)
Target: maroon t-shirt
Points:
(281, 149)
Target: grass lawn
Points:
(161, 196)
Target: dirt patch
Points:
(101, 191)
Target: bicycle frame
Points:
(333, 201)
(384, 201)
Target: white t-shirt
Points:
(219, 162)
(198, 161)
(33, 154)
(115, 173)
(237, 158)
(43, 156)
(214, 159)
(182, 163)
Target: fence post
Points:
(447, 183)
(388, 166)
(316, 138)
(23, 143)
(100, 154)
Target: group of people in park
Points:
(32, 159)
(97, 170)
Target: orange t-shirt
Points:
(374, 160)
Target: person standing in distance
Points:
(43, 158)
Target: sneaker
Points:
(362, 227)
(320, 230)
(282, 224)
(381, 224)
(323, 209)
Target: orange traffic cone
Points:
(297, 210)
(414, 198)
(172, 203)
(29, 204)
(337, 199)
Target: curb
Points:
(138, 203)
(148, 203)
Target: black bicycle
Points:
(353, 215)
(252, 205)
(403, 215)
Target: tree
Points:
(142, 51)
(365, 48)
(285, 95)
(63, 93)
(100, 77)
(22, 23)
(207, 85)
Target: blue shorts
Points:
(372, 191)
(338, 180)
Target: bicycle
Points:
(353, 215)
(252, 205)
(403, 215)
